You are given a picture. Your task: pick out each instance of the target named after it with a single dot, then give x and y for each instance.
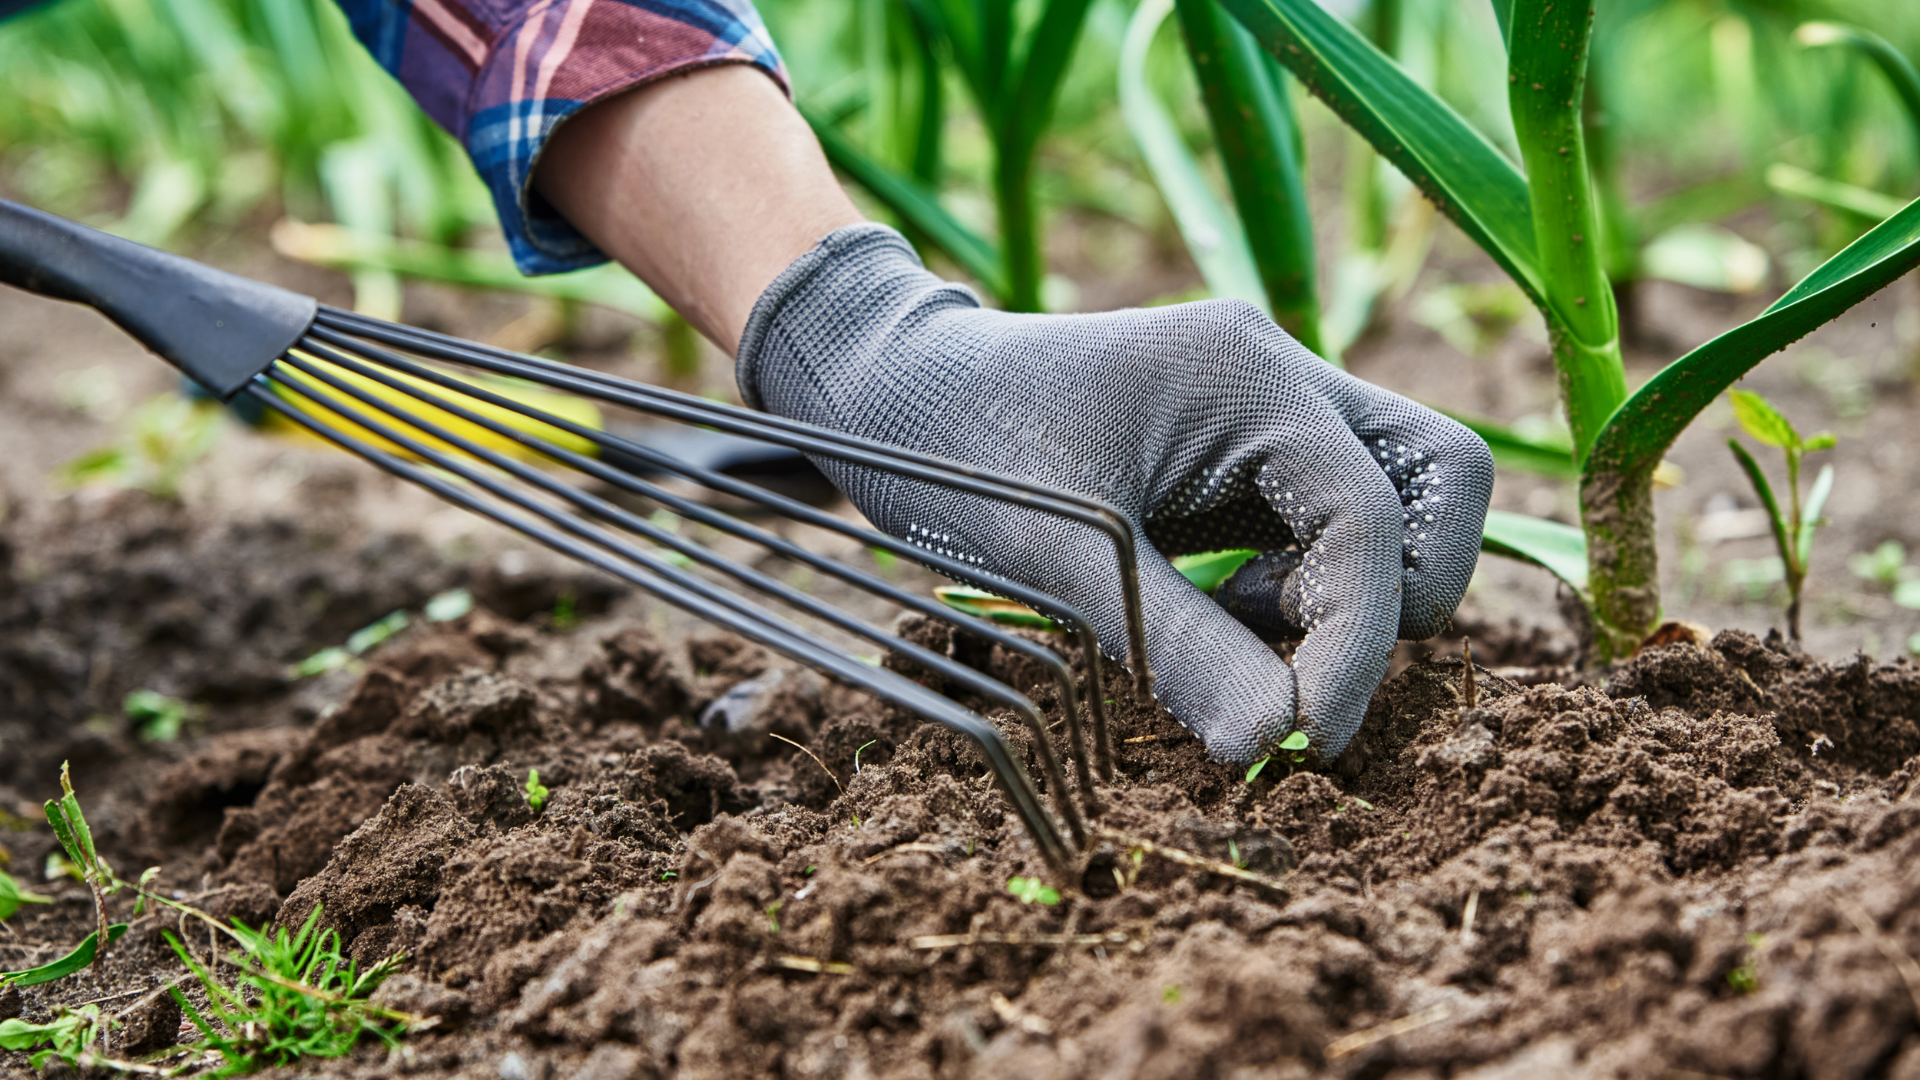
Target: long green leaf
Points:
(1454, 165)
(1559, 548)
(1899, 70)
(1835, 194)
(1029, 106)
(915, 204)
(12, 896)
(1260, 143)
(1640, 431)
(1214, 238)
(80, 957)
(1514, 450)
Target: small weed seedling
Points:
(68, 1036)
(773, 916)
(1887, 566)
(536, 791)
(156, 717)
(165, 436)
(566, 612)
(359, 643)
(1793, 529)
(1295, 748)
(297, 997)
(1032, 891)
(1745, 979)
(856, 753)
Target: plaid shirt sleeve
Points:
(501, 75)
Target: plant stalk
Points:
(1019, 227)
(1548, 45)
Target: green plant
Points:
(1540, 227)
(1294, 747)
(1885, 565)
(1011, 58)
(156, 717)
(536, 791)
(68, 1036)
(296, 997)
(566, 614)
(12, 896)
(165, 436)
(359, 643)
(1032, 891)
(1745, 978)
(856, 753)
(773, 916)
(1793, 527)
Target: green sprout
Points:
(773, 916)
(1793, 528)
(856, 753)
(156, 717)
(566, 613)
(166, 435)
(1032, 891)
(1170, 994)
(1295, 746)
(1745, 979)
(1887, 566)
(536, 791)
(448, 606)
(359, 643)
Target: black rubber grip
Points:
(219, 328)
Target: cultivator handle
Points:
(219, 328)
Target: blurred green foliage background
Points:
(160, 118)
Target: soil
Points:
(1703, 864)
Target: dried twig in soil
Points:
(951, 941)
(1187, 858)
(816, 761)
(1470, 686)
(930, 849)
(812, 964)
(1347, 1045)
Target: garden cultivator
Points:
(368, 387)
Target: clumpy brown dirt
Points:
(1704, 866)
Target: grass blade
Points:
(1260, 143)
(1640, 431)
(1049, 47)
(1453, 164)
(1899, 70)
(1839, 195)
(915, 204)
(80, 957)
(1213, 236)
(1561, 549)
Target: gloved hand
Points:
(1205, 424)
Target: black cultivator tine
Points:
(683, 590)
(806, 438)
(794, 509)
(600, 508)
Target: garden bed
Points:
(1702, 864)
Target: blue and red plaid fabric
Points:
(502, 74)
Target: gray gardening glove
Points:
(1205, 424)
